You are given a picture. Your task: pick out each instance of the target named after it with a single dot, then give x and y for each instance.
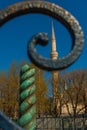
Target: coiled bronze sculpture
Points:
(58, 13)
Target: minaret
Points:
(54, 56)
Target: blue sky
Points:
(15, 34)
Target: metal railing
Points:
(78, 122)
(49, 122)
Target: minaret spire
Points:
(54, 54)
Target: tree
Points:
(58, 84)
(71, 94)
(10, 91)
(76, 96)
(41, 91)
(2, 86)
(10, 87)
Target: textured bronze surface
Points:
(61, 15)
(7, 124)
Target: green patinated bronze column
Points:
(27, 98)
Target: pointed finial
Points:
(54, 54)
(53, 38)
(53, 33)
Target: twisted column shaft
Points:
(27, 98)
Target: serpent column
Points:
(27, 98)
